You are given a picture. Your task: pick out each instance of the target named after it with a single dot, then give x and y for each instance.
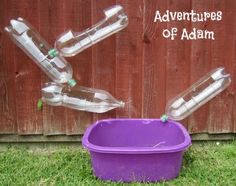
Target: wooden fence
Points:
(137, 65)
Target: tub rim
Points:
(135, 150)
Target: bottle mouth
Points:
(113, 10)
(18, 25)
(219, 74)
(121, 104)
(51, 93)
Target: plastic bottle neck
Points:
(71, 82)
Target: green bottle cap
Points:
(71, 82)
(53, 52)
(164, 118)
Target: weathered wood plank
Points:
(129, 60)
(104, 58)
(178, 55)
(154, 83)
(221, 108)
(200, 64)
(78, 18)
(52, 23)
(7, 72)
(29, 119)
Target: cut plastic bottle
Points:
(47, 58)
(71, 43)
(79, 98)
(198, 94)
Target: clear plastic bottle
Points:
(198, 94)
(47, 58)
(71, 43)
(79, 98)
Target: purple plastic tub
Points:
(142, 150)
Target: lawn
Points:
(210, 163)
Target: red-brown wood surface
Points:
(178, 55)
(200, 64)
(52, 23)
(137, 65)
(7, 74)
(223, 51)
(129, 61)
(29, 119)
(104, 58)
(77, 121)
(154, 65)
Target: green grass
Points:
(204, 164)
